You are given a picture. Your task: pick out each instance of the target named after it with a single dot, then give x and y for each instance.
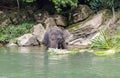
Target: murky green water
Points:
(33, 63)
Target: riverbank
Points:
(85, 30)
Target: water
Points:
(32, 62)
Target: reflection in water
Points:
(31, 62)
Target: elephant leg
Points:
(45, 40)
(64, 46)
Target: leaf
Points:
(29, 1)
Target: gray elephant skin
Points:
(55, 38)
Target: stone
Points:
(1, 12)
(11, 45)
(67, 35)
(81, 13)
(83, 34)
(5, 22)
(38, 31)
(60, 20)
(96, 21)
(27, 40)
(50, 22)
(1, 44)
(80, 42)
(40, 17)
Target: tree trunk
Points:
(113, 11)
(18, 4)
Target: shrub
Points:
(13, 31)
(105, 41)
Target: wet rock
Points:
(11, 45)
(81, 13)
(38, 31)
(27, 40)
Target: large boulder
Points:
(60, 20)
(67, 35)
(38, 31)
(27, 40)
(82, 35)
(81, 13)
(50, 22)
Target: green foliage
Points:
(118, 31)
(100, 42)
(95, 4)
(12, 31)
(105, 41)
(28, 0)
(106, 52)
(64, 3)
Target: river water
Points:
(32, 62)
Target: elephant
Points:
(55, 38)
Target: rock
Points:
(88, 28)
(5, 22)
(38, 31)
(80, 42)
(41, 17)
(3, 19)
(50, 22)
(27, 40)
(11, 45)
(60, 20)
(1, 44)
(83, 34)
(1, 12)
(81, 13)
(96, 21)
(67, 35)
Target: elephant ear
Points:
(46, 39)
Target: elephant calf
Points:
(55, 38)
